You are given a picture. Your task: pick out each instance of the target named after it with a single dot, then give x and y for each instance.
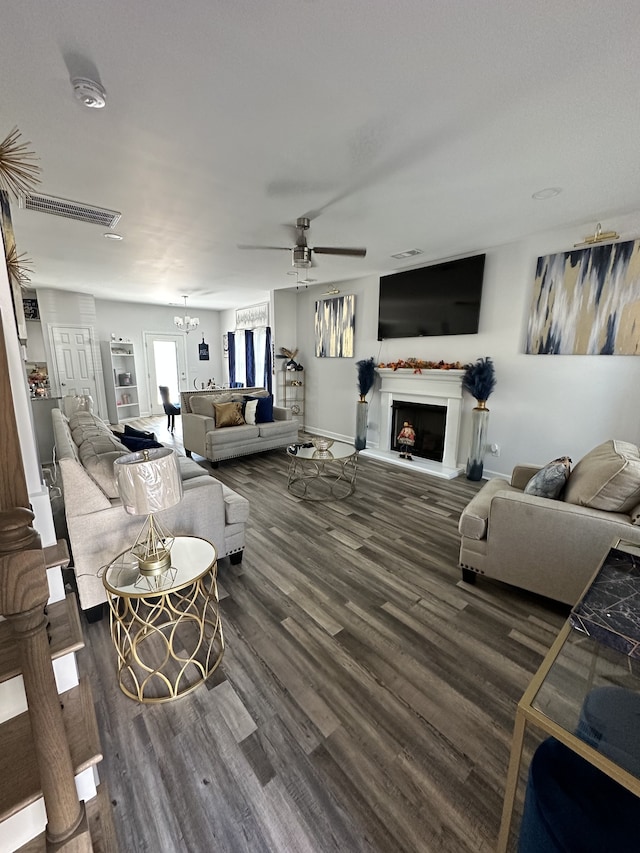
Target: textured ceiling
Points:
(393, 125)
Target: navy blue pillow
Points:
(264, 409)
(133, 443)
(138, 433)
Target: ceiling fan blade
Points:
(279, 248)
(328, 250)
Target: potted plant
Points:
(479, 380)
(366, 375)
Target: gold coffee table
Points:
(168, 638)
(317, 475)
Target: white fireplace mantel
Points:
(430, 387)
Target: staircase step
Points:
(19, 778)
(56, 555)
(63, 628)
(101, 827)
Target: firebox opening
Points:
(429, 425)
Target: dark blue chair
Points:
(170, 409)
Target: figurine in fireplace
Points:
(406, 439)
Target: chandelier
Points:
(186, 324)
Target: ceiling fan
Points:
(301, 253)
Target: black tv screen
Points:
(443, 299)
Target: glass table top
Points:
(339, 450)
(191, 557)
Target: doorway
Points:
(74, 361)
(166, 365)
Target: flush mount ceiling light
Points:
(186, 324)
(111, 235)
(90, 94)
(547, 192)
(598, 236)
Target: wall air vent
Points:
(70, 209)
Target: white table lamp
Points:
(149, 481)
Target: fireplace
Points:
(438, 395)
(428, 423)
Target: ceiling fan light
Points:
(301, 257)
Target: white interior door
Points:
(166, 365)
(75, 368)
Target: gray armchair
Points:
(553, 547)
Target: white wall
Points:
(542, 407)
(38, 494)
(131, 320)
(285, 333)
(35, 342)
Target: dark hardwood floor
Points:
(366, 698)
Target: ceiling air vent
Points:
(70, 209)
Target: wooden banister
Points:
(24, 592)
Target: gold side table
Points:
(168, 638)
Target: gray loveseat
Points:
(553, 547)
(99, 528)
(201, 435)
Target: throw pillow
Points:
(133, 443)
(202, 405)
(138, 433)
(228, 414)
(550, 480)
(264, 410)
(607, 478)
(250, 408)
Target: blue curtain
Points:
(268, 362)
(250, 357)
(232, 359)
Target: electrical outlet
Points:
(494, 449)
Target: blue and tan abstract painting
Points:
(335, 327)
(587, 302)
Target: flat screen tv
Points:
(443, 299)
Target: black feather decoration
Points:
(366, 375)
(480, 378)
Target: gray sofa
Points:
(553, 547)
(99, 528)
(201, 435)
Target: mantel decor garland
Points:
(418, 365)
(479, 380)
(366, 369)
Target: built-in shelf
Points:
(119, 366)
(292, 393)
